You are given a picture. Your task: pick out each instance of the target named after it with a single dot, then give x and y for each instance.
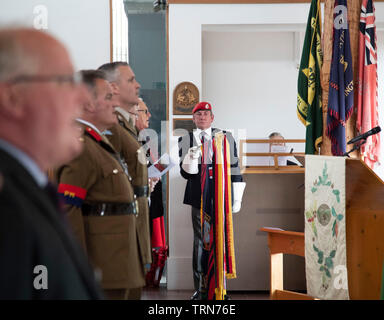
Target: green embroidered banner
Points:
(325, 239)
(309, 107)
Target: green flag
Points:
(309, 106)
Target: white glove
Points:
(237, 194)
(191, 160)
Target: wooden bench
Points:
(283, 242)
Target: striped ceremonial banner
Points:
(218, 256)
(225, 258)
(367, 110)
(340, 99)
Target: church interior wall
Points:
(83, 26)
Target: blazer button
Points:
(115, 171)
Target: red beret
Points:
(202, 106)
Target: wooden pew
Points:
(283, 242)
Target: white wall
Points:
(82, 25)
(242, 59)
(247, 77)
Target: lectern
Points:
(364, 235)
(364, 230)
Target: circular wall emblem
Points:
(185, 97)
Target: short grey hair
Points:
(275, 134)
(89, 78)
(111, 69)
(14, 58)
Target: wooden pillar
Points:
(354, 7)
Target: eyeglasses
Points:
(142, 110)
(73, 79)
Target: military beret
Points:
(202, 106)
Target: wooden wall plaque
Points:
(182, 123)
(185, 97)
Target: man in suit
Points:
(124, 138)
(40, 258)
(278, 136)
(190, 169)
(97, 189)
(156, 208)
(141, 124)
(143, 117)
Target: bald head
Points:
(39, 111)
(28, 52)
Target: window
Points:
(119, 30)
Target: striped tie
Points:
(204, 141)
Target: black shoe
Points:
(196, 295)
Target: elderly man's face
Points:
(277, 143)
(274, 142)
(50, 108)
(142, 121)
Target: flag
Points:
(217, 259)
(367, 113)
(340, 99)
(309, 106)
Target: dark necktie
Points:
(205, 143)
(202, 137)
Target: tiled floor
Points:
(162, 293)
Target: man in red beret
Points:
(192, 148)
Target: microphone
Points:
(365, 135)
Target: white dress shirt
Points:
(197, 132)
